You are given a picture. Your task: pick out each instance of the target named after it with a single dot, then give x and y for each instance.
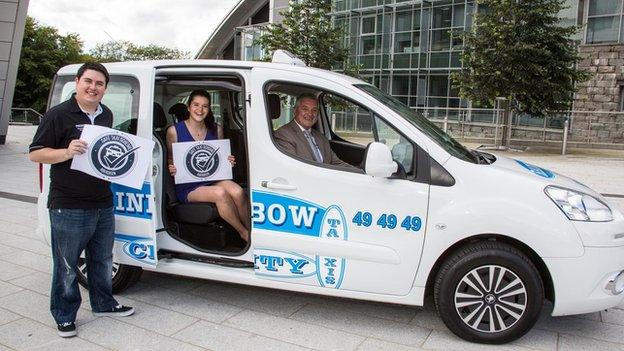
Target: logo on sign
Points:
(202, 160)
(113, 155)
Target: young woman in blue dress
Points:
(229, 197)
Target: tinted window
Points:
(122, 97)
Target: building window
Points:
(368, 25)
(368, 39)
(603, 21)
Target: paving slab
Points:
(371, 344)
(445, 340)
(38, 282)
(184, 303)
(22, 214)
(613, 316)
(397, 313)
(7, 250)
(274, 302)
(295, 332)
(31, 260)
(223, 338)
(428, 318)
(356, 323)
(585, 328)
(10, 203)
(36, 307)
(16, 224)
(114, 334)
(11, 271)
(172, 282)
(25, 334)
(579, 343)
(7, 317)
(154, 318)
(8, 289)
(25, 243)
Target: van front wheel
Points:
(124, 276)
(489, 292)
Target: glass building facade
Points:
(407, 48)
(410, 48)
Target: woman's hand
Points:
(172, 170)
(232, 160)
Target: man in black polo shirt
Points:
(80, 206)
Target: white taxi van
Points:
(489, 237)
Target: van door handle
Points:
(278, 183)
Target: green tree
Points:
(114, 51)
(307, 32)
(44, 51)
(519, 50)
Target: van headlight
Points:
(578, 206)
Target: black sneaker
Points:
(66, 330)
(119, 311)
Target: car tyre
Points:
(489, 292)
(124, 276)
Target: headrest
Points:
(179, 111)
(132, 126)
(274, 106)
(160, 119)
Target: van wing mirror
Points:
(378, 160)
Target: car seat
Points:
(179, 111)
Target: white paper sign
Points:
(202, 160)
(115, 156)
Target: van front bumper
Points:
(589, 283)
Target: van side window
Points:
(348, 126)
(348, 120)
(281, 107)
(122, 97)
(358, 125)
(402, 149)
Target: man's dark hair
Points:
(93, 66)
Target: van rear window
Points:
(122, 97)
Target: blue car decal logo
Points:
(138, 248)
(290, 215)
(327, 272)
(536, 170)
(131, 202)
(286, 214)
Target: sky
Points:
(182, 24)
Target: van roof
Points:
(129, 65)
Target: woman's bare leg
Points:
(240, 200)
(225, 206)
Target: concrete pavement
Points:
(178, 313)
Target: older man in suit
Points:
(299, 139)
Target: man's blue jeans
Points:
(75, 230)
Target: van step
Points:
(221, 261)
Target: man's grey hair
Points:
(304, 96)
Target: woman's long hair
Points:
(209, 120)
